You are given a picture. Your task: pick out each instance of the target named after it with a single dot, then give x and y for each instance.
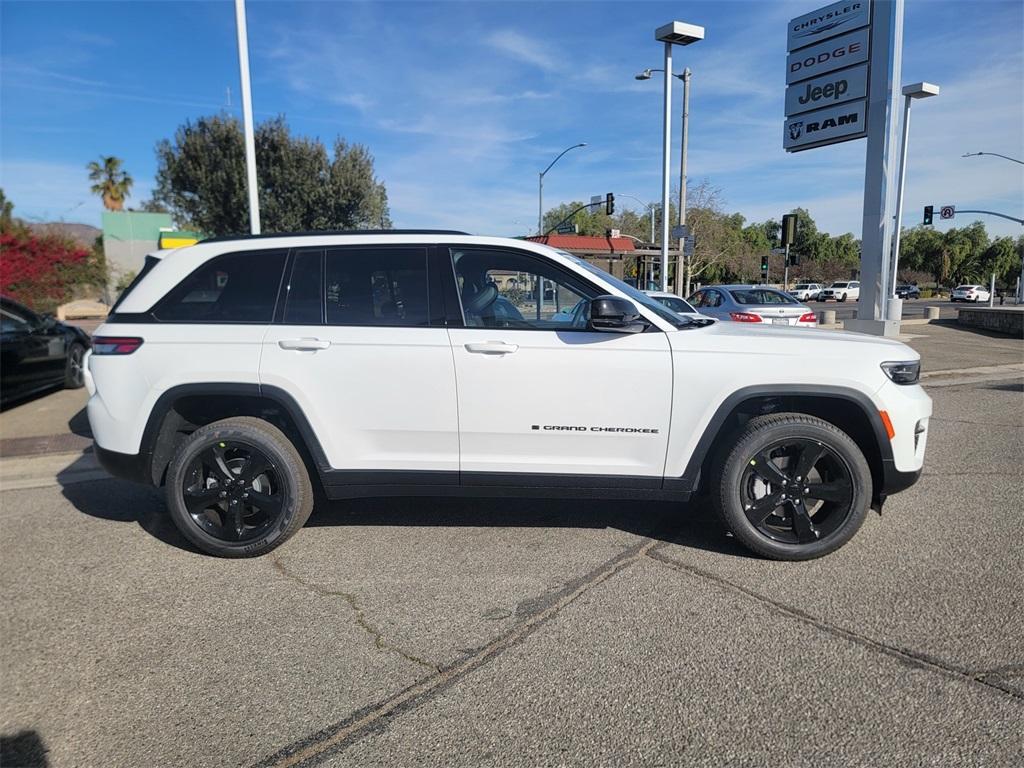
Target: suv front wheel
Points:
(238, 488)
(794, 487)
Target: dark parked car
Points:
(37, 352)
(908, 292)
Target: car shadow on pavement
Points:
(690, 525)
(24, 749)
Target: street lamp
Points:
(650, 209)
(540, 187)
(685, 77)
(247, 129)
(674, 33)
(994, 154)
(910, 92)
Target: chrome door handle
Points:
(491, 348)
(308, 345)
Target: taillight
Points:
(745, 317)
(809, 317)
(115, 345)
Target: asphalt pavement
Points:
(507, 632)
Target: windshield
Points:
(639, 297)
(760, 296)
(802, 287)
(838, 285)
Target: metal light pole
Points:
(250, 141)
(894, 307)
(682, 179)
(540, 187)
(650, 210)
(1020, 279)
(674, 33)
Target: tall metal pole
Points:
(666, 158)
(879, 167)
(250, 141)
(540, 204)
(683, 259)
(898, 225)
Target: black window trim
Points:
(457, 318)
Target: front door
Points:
(356, 347)
(539, 394)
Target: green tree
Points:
(7, 219)
(111, 183)
(201, 180)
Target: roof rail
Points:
(226, 238)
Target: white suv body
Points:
(806, 291)
(841, 291)
(421, 363)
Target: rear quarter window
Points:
(233, 288)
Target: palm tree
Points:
(112, 184)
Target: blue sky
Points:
(462, 103)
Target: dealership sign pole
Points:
(842, 77)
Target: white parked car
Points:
(806, 291)
(239, 372)
(973, 293)
(677, 304)
(841, 291)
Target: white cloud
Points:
(523, 48)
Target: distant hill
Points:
(85, 234)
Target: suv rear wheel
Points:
(793, 487)
(238, 488)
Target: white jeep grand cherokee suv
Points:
(240, 374)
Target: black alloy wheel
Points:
(234, 492)
(74, 371)
(792, 486)
(797, 491)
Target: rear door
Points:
(540, 395)
(356, 346)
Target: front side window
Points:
(377, 286)
(235, 288)
(510, 289)
(712, 299)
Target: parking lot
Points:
(500, 632)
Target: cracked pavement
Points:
(525, 632)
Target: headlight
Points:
(903, 372)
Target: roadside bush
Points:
(45, 271)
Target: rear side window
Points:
(377, 286)
(234, 288)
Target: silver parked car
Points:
(752, 304)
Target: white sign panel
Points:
(830, 21)
(825, 126)
(827, 90)
(826, 57)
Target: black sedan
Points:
(908, 292)
(37, 352)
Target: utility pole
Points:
(683, 259)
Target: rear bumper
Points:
(127, 466)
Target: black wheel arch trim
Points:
(690, 480)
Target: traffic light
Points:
(928, 209)
(794, 259)
(788, 229)
(764, 265)
(609, 203)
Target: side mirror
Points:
(615, 315)
(48, 322)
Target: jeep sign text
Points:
(834, 88)
(824, 126)
(825, 57)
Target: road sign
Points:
(569, 228)
(680, 231)
(825, 23)
(829, 56)
(825, 126)
(688, 245)
(947, 212)
(827, 90)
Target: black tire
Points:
(782, 532)
(843, 297)
(226, 517)
(74, 372)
